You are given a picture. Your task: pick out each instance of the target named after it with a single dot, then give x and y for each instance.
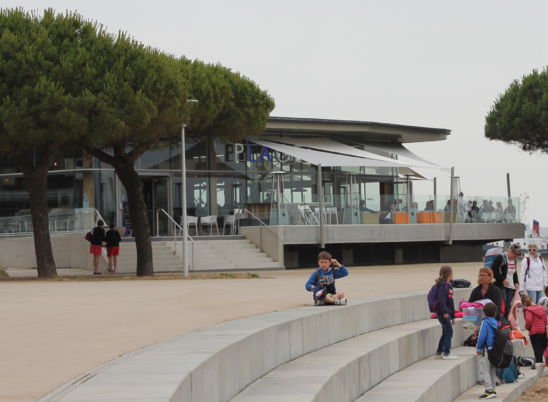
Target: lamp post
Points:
(183, 199)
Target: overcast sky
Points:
(428, 63)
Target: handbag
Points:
(88, 236)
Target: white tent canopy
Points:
(328, 152)
(329, 145)
(326, 159)
(400, 150)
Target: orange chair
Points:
(401, 218)
(424, 217)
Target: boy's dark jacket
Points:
(446, 304)
(327, 279)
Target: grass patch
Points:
(3, 273)
(129, 277)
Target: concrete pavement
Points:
(53, 331)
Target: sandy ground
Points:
(537, 393)
(52, 331)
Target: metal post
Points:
(261, 234)
(183, 204)
(508, 185)
(278, 177)
(408, 195)
(451, 209)
(351, 201)
(157, 226)
(435, 193)
(320, 195)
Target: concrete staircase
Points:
(374, 349)
(235, 254)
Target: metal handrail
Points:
(174, 233)
(261, 229)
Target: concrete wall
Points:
(401, 233)
(68, 252)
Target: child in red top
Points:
(535, 323)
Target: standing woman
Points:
(113, 240)
(96, 248)
(533, 274)
(502, 265)
(486, 289)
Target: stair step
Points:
(224, 246)
(228, 252)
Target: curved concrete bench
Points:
(345, 370)
(439, 381)
(214, 364)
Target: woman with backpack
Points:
(535, 323)
(533, 274)
(506, 278)
(486, 289)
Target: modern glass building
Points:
(220, 177)
(365, 170)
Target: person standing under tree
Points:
(97, 243)
(113, 240)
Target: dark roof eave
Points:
(328, 122)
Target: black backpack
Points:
(460, 283)
(502, 351)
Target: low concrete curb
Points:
(214, 364)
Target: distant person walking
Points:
(533, 274)
(503, 265)
(113, 240)
(97, 243)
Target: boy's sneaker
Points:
(318, 302)
(449, 357)
(439, 356)
(340, 302)
(489, 394)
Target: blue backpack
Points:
(433, 298)
(509, 375)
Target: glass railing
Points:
(61, 221)
(347, 209)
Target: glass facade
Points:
(221, 177)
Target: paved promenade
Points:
(52, 331)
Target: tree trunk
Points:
(37, 184)
(37, 179)
(139, 219)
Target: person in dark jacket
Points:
(97, 243)
(445, 310)
(486, 289)
(506, 277)
(113, 240)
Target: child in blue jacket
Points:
(322, 281)
(486, 340)
(445, 310)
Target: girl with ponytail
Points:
(445, 310)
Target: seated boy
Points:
(325, 276)
(486, 340)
